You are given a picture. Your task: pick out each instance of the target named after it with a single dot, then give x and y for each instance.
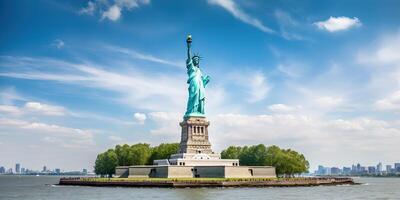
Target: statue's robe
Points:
(197, 83)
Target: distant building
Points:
(371, 170)
(353, 169)
(9, 171)
(388, 169)
(23, 171)
(2, 170)
(44, 169)
(379, 168)
(327, 171)
(359, 168)
(346, 170)
(363, 170)
(335, 171)
(321, 170)
(57, 171)
(397, 167)
(84, 171)
(17, 168)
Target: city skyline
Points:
(77, 78)
(21, 169)
(359, 169)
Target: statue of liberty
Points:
(197, 83)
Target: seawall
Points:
(182, 183)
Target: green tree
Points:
(254, 155)
(286, 162)
(140, 153)
(137, 154)
(124, 154)
(296, 162)
(276, 157)
(106, 162)
(163, 151)
(98, 167)
(231, 152)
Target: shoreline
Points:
(210, 182)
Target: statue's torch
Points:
(189, 39)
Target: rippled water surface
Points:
(42, 187)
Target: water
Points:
(42, 187)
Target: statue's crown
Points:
(197, 55)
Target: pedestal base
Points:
(188, 159)
(176, 171)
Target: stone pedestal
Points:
(194, 136)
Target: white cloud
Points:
(280, 108)
(216, 100)
(167, 123)
(113, 13)
(258, 86)
(89, 9)
(9, 98)
(285, 18)
(143, 56)
(140, 117)
(66, 136)
(115, 138)
(58, 43)
(334, 24)
(102, 118)
(39, 110)
(44, 109)
(386, 52)
(129, 4)
(13, 110)
(33, 108)
(381, 58)
(391, 102)
(237, 12)
(287, 25)
(252, 85)
(51, 144)
(328, 101)
(259, 127)
(135, 88)
(111, 10)
(9, 95)
(292, 69)
(389, 53)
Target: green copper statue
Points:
(197, 83)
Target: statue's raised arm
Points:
(189, 43)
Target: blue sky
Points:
(78, 77)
